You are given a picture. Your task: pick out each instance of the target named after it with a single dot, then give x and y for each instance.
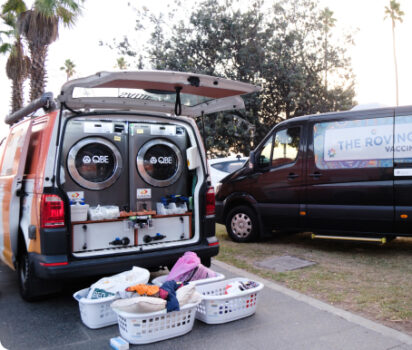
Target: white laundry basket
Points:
(216, 307)
(95, 313)
(158, 281)
(151, 327)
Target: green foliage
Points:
(394, 12)
(18, 64)
(121, 63)
(287, 49)
(40, 26)
(69, 68)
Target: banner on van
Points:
(368, 142)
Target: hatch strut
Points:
(45, 101)
(178, 103)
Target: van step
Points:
(381, 240)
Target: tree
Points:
(328, 22)
(394, 12)
(18, 64)
(68, 67)
(40, 26)
(121, 63)
(281, 48)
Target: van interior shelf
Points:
(122, 218)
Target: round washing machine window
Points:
(159, 162)
(94, 163)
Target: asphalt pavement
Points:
(284, 320)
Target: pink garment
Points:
(185, 264)
(188, 268)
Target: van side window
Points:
(403, 139)
(366, 143)
(15, 141)
(286, 146)
(264, 157)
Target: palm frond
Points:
(16, 6)
(4, 48)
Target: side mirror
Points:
(252, 160)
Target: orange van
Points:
(113, 175)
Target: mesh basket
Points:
(155, 326)
(95, 313)
(216, 307)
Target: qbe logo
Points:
(161, 160)
(96, 159)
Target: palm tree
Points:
(40, 26)
(68, 68)
(328, 22)
(121, 63)
(395, 14)
(18, 64)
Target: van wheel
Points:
(25, 276)
(206, 261)
(242, 224)
(31, 287)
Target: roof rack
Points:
(46, 102)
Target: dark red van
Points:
(346, 173)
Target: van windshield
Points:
(140, 94)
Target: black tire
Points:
(206, 261)
(31, 287)
(242, 224)
(25, 277)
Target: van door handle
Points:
(292, 176)
(315, 175)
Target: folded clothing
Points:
(170, 287)
(185, 294)
(144, 289)
(139, 304)
(116, 284)
(237, 287)
(188, 295)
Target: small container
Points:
(218, 307)
(155, 326)
(118, 343)
(104, 212)
(78, 212)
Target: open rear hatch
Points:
(161, 91)
(147, 169)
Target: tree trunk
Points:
(396, 63)
(17, 95)
(37, 71)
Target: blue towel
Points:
(172, 304)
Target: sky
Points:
(103, 20)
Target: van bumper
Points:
(59, 267)
(219, 212)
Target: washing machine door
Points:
(94, 163)
(159, 162)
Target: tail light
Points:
(52, 211)
(210, 201)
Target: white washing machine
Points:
(95, 161)
(158, 165)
